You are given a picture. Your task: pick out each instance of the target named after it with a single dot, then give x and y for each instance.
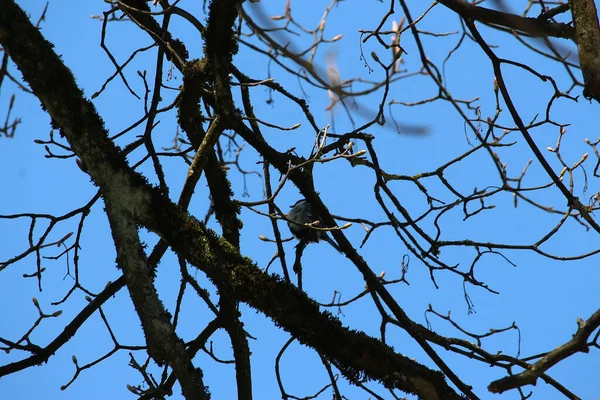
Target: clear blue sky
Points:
(543, 297)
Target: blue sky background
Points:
(543, 297)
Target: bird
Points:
(301, 213)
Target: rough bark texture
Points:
(587, 32)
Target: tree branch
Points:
(532, 26)
(579, 343)
(587, 32)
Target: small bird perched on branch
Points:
(301, 212)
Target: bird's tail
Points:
(331, 242)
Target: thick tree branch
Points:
(220, 45)
(533, 26)
(163, 343)
(587, 32)
(191, 121)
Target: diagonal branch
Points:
(43, 354)
(533, 26)
(572, 200)
(579, 343)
